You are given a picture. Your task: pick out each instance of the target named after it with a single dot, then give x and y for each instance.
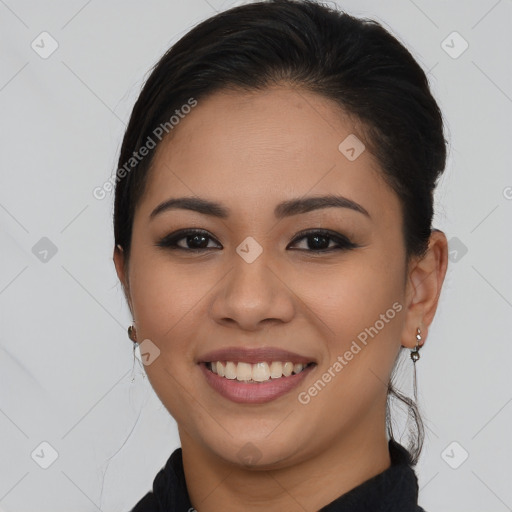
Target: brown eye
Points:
(321, 240)
(200, 240)
(194, 240)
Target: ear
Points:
(425, 280)
(119, 262)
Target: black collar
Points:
(393, 490)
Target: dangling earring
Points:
(132, 334)
(415, 355)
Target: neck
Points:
(216, 484)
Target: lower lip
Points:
(253, 392)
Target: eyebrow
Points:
(284, 209)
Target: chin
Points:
(255, 453)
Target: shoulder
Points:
(169, 489)
(147, 504)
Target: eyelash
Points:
(344, 244)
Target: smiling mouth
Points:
(255, 373)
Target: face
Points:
(262, 279)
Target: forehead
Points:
(252, 148)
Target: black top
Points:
(393, 490)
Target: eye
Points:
(195, 240)
(320, 240)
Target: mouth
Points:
(255, 373)
(254, 376)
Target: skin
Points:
(250, 151)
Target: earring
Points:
(415, 354)
(132, 333)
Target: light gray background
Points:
(66, 364)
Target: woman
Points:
(273, 235)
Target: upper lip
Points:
(254, 355)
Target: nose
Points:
(252, 296)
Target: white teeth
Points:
(287, 369)
(276, 369)
(230, 370)
(244, 371)
(259, 372)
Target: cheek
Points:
(360, 309)
(167, 308)
(350, 297)
(363, 312)
(163, 296)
